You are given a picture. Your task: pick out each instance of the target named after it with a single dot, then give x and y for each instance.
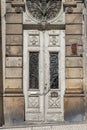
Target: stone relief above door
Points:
(44, 11)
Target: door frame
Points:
(26, 65)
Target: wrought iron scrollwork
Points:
(44, 9)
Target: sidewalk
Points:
(48, 127)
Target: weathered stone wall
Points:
(13, 91)
(74, 95)
(1, 74)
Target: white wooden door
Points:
(44, 75)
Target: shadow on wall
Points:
(74, 109)
(1, 110)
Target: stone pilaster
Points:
(1, 73)
(85, 56)
(13, 90)
(74, 93)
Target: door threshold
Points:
(26, 124)
(39, 123)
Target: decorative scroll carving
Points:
(54, 94)
(54, 40)
(19, 6)
(33, 40)
(18, 9)
(44, 9)
(69, 10)
(54, 102)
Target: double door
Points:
(44, 75)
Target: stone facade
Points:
(74, 65)
(13, 95)
(12, 101)
(1, 74)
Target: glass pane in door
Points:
(54, 77)
(34, 70)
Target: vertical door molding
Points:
(3, 25)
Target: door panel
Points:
(33, 76)
(43, 75)
(53, 95)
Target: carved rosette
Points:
(33, 40)
(54, 40)
(44, 10)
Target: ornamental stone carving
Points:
(33, 40)
(44, 10)
(54, 40)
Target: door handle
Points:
(47, 91)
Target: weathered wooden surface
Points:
(13, 72)
(74, 83)
(13, 28)
(74, 29)
(13, 18)
(14, 39)
(73, 18)
(74, 72)
(74, 39)
(79, 51)
(14, 50)
(74, 62)
(13, 83)
(13, 61)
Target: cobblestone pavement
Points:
(49, 127)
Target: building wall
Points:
(13, 87)
(1, 74)
(74, 94)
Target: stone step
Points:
(48, 127)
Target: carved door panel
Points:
(53, 76)
(33, 75)
(43, 75)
